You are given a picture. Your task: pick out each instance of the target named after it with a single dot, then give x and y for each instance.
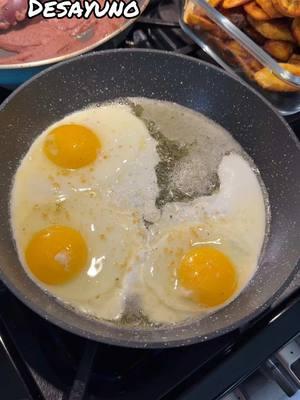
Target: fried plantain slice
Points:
(248, 63)
(191, 13)
(196, 17)
(280, 50)
(256, 11)
(267, 6)
(295, 59)
(296, 30)
(199, 20)
(214, 3)
(234, 3)
(266, 79)
(254, 35)
(236, 48)
(275, 30)
(289, 8)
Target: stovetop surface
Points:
(54, 364)
(41, 361)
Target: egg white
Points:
(111, 235)
(126, 161)
(232, 220)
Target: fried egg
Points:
(106, 149)
(79, 250)
(205, 252)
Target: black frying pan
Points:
(250, 119)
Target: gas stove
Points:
(40, 361)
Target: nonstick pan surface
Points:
(247, 116)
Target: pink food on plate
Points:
(40, 39)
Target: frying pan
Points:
(107, 75)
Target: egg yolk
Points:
(208, 274)
(72, 146)
(56, 254)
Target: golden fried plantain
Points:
(280, 50)
(254, 35)
(275, 30)
(196, 16)
(256, 11)
(295, 59)
(234, 3)
(191, 12)
(296, 30)
(267, 6)
(236, 48)
(203, 22)
(248, 63)
(289, 8)
(221, 44)
(214, 3)
(266, 79)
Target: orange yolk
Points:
(72, 146)
(208, 274)
(56, 254)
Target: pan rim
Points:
(138, 342)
